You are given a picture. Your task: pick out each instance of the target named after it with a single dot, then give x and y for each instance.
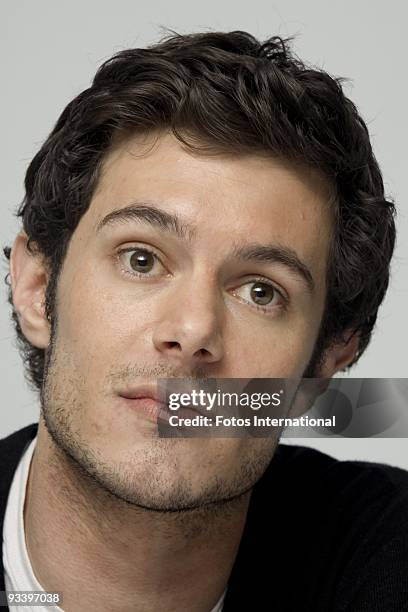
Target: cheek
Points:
(277, 349)
(98, 322)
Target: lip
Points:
(146, 400)
(148, 407)
(141, 391)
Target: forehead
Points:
(233, 198)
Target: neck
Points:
(79, 535)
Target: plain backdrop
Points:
(50, 51)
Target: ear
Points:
(339, 355)
(28, 284)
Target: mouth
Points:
(147, 403)
(148, 407)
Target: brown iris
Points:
(262, 293)
(142, 261)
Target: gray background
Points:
(51, 49)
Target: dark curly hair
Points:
(225, 92)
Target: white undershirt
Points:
(18, 573)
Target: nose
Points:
(188, 329)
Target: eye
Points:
(261, 294)
(139, 261)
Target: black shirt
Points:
(321, 535)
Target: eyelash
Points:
(130, 250)
(260, 307)
(265, 309)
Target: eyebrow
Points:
(148, 213)
(276, 254)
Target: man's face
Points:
(237, 291)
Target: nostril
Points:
(173, 344)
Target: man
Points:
(209, 207)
